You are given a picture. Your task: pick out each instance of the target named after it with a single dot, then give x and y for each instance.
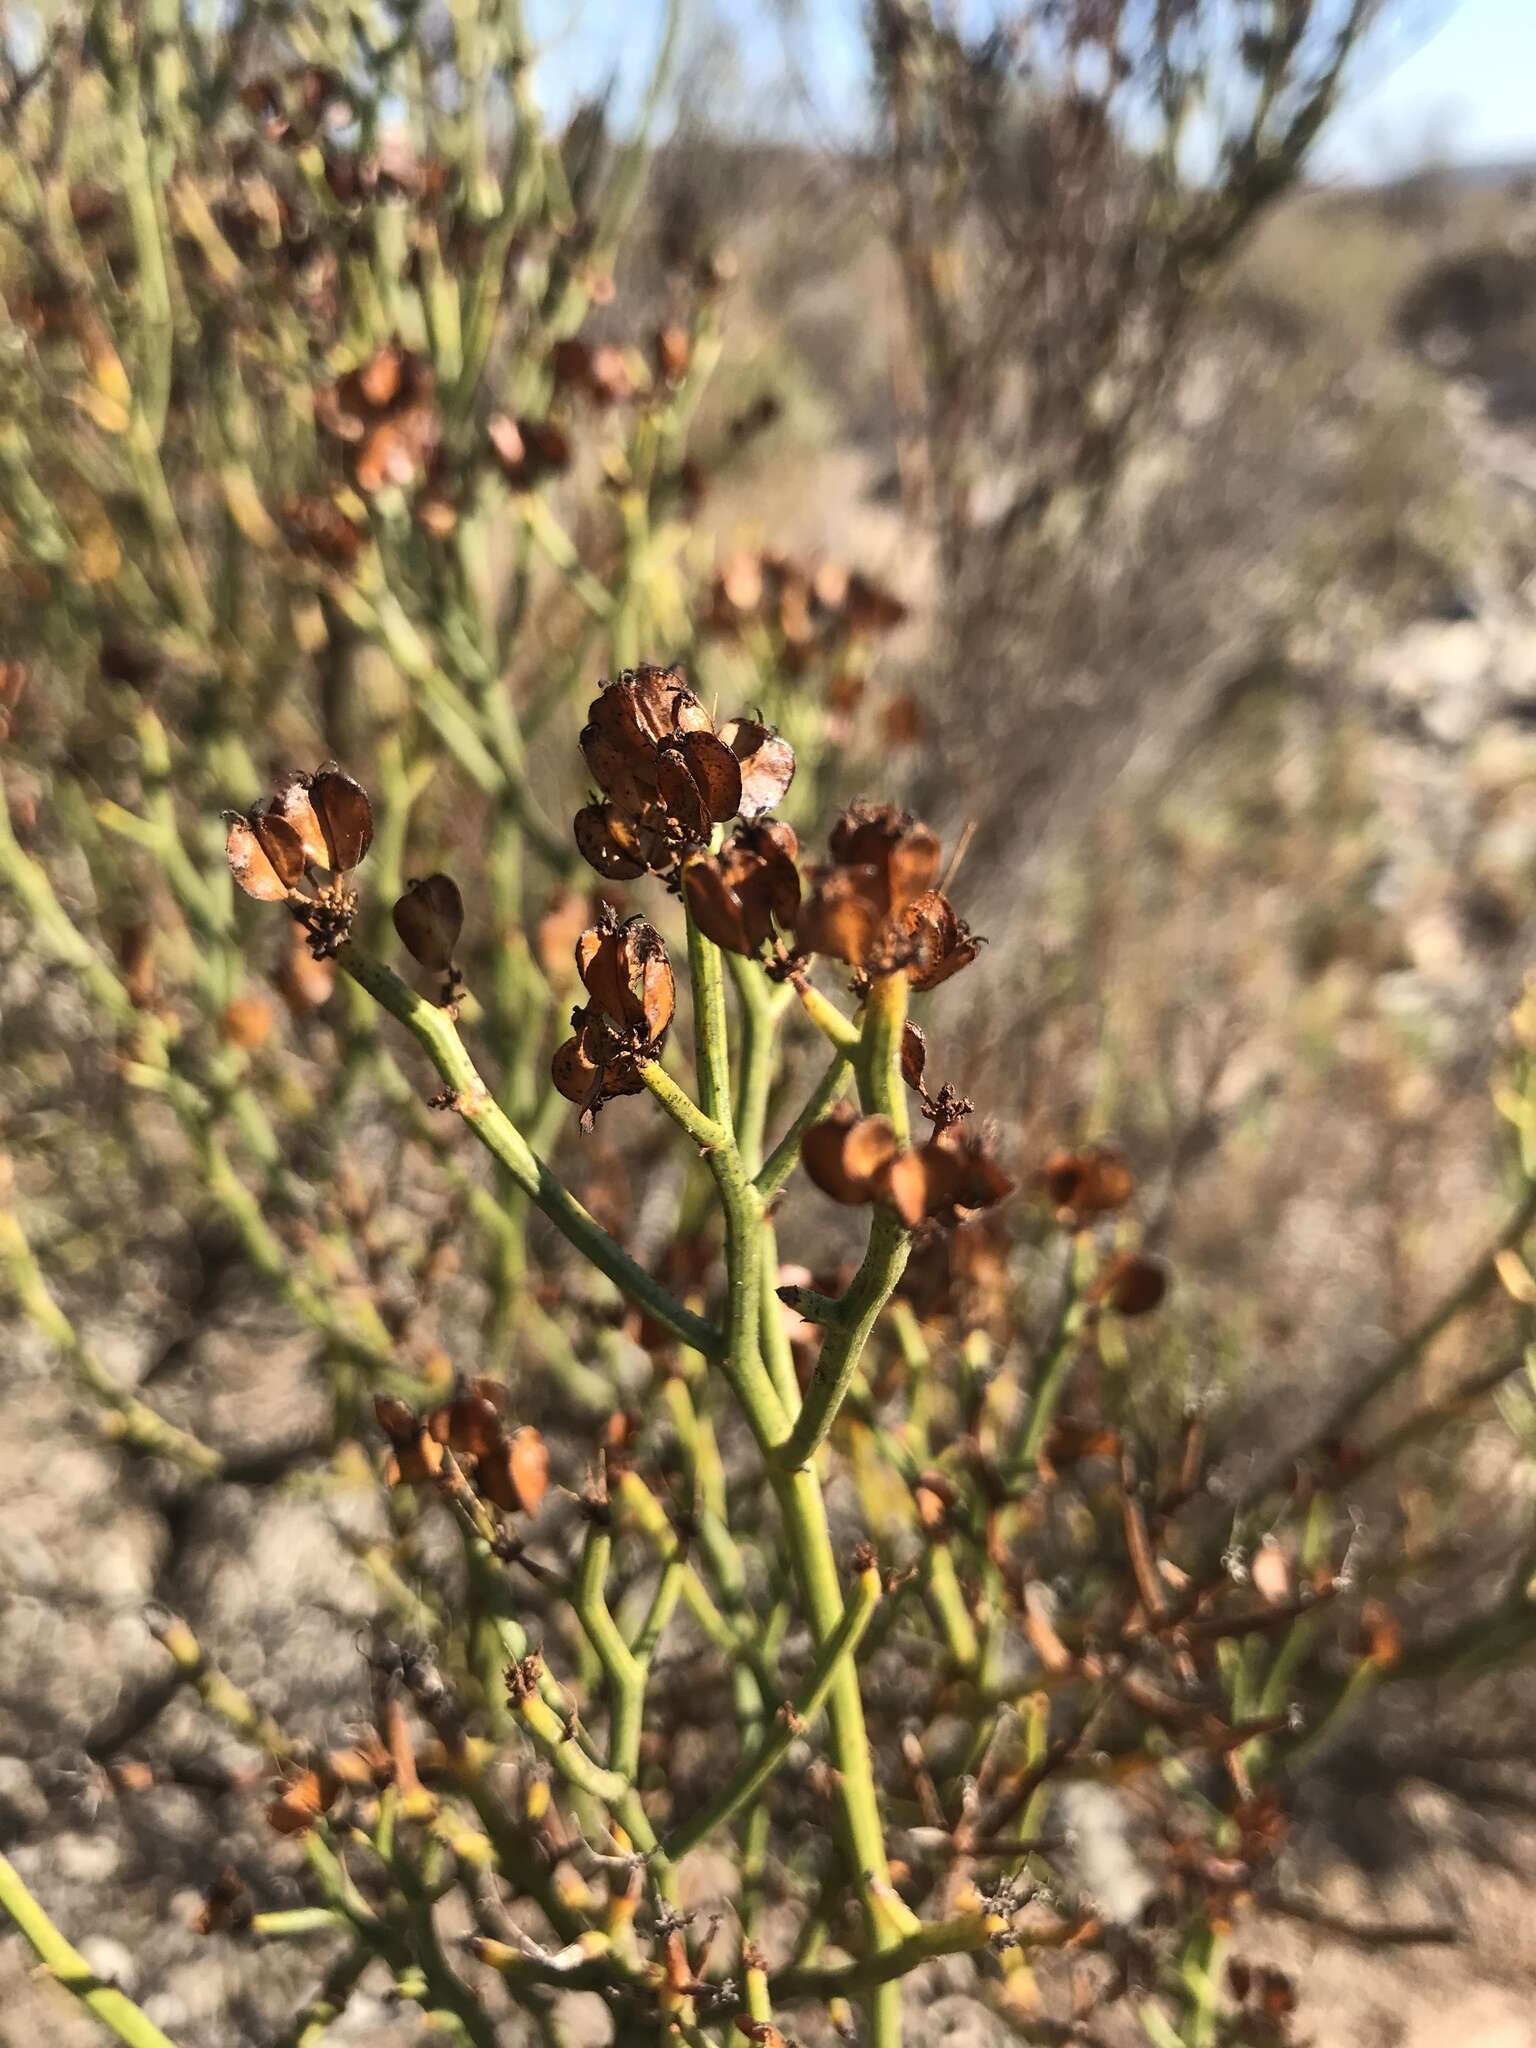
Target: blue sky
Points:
(1466, 91)
(1457, 82)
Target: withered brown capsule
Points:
(429, 918)
(345, 816)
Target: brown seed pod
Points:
(293, 804)
(429, 918)
(305, 983)
(844, 916)
(1131, 1284)
(626, 972)
(574, 1073)
(1082, 1185)
(345, 816)
(515, 1475)
(715, 907)
(847, 1155)
(714, 771)
(604, 839)
(527, 450)
(904, 1183)
(938, 941)
(265, 856)
(469, 1425)
(226, 1907)
(868, 608)
(302, 1801)
(395, 1419)
(901, 849)
(914, 1056)
(767, 765)
(963, 1177)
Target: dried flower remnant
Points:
(429, 919)
(385, 413)
(599, 372)
(302, 1801)
(940, 941)
(321, 821)
(1131, 1284)
(508, 1468)
(631, 996)
(667, 777)
(226, 1907)
(414, 1453)
(1081, 1186)
(319, 527)
(856, 1159)
(528, 451)
(742, 897)
(767, 765)
(875, 905)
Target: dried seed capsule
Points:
(429, 918)
(767, 765)
(938, 940)
(845, 1155)
(1132, 1284)
(1082, 1185)
(515, 1475)
(345, 816)
(469, 1425)
(292, 803)
(302, 1801)
(265, 856)
(714, 771)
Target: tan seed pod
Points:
(914, 1055)
(470, 1425)
(715, 906)
(1081, 1185)
(767, 765)
(846, 1155)
(394, 1418)
(301, 1802)
(515, 1476)
(681, 797)
(292, 802)
(904, 1183)
(251, 862)
(573, 1073)
(429, 918)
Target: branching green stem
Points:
(435, 1033)
(754, 1771)
(68, 1967)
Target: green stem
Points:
(434, 1031)
(623, 1670)
(69, 1968)
(881, 1092)
(754, 1772)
